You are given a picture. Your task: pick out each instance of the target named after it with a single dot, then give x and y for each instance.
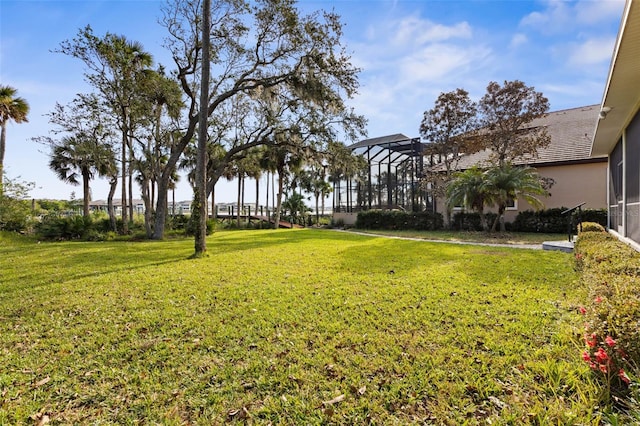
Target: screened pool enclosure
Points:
(391, 180)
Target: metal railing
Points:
(571, 217)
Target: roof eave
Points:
(621, 96)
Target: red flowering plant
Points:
(611, 272)
(604, 355)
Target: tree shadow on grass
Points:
(59, 262)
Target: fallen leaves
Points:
(239, 414)
(40, 419)
(335, 400)
(42, 382)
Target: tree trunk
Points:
(267, 193)
(239, 200)
(161, 206)
(276, 223)
(173, 202)
(317, 213)
(85, 192)
(152, 185)
(257, 196)
(448, 216)
(483, 221)
(130, 185)
(113, 184)
(148, 212)
(201, 165)
(499, 219)
(123, 203)
(3, 142)
(213, 205)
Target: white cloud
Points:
(594, 12)
(413, 31)
(564, 17)
(518, 40)
(592, 51)
(551, 20)
(438, 62)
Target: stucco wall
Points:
(574, 184)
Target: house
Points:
(396, 163)
(617, 133)
(577, 177)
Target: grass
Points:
(290, 327)
(508, 238)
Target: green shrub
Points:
(552, 221)
(190, 228)
(15, 207)
(471, 221)
(53, 227)
(178, 222)
(337, 223)
(591, 227)
(611, 271)
(594, 215)
(399, 220)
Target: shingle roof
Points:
(571, 132)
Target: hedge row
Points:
(548, 221)
(552, 221)
(610, 270)
(53, 227)
(471, 221)
(399, 220)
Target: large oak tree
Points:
(266, 49)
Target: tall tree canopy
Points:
(447, 130)
(292, 65)
(74, 157)
(82, 140)
(115, 67)
(12, 108)
(505, 115)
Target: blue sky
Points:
(409, 52)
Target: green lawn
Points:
(290, 327)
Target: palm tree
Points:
(127, 61)
(74, 157)
(11, 108)
(314, 181)
(506, 183)
(296, 206)
(468, 189)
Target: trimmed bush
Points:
(591, 227)
(611, 271)
(399, 220)
(552, 221)
(471, 221)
